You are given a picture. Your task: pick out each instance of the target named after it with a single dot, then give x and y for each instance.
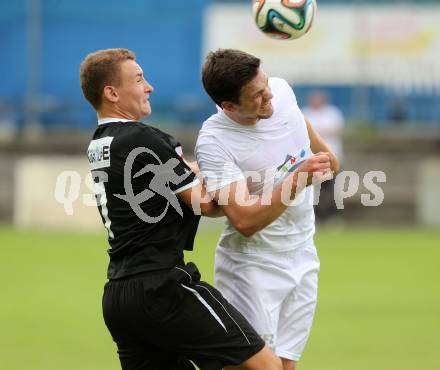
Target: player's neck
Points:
(106, 112)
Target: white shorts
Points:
(276, 292)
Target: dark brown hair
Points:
(226, 71)
(100, 69)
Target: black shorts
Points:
(161, 320)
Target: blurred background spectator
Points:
(328, 121)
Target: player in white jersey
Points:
(266, 262)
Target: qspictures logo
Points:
(163, 175)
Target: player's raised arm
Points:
(252, 213)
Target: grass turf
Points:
(379, 300)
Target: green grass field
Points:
(379, 300)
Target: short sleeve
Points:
(218, 169)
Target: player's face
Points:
(255, 98)
(134, 91)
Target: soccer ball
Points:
(284, 19)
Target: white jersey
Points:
(227, 152)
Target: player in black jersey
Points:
(158, 311)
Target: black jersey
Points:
(137, 172)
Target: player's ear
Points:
(111, 94)
(227, 105)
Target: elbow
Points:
(210, 209)
(247, 223)
(247, 233)
(206, 209)
(247, 230)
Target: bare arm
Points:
(317, 144)
(249, 214)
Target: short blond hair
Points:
(99, 69)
